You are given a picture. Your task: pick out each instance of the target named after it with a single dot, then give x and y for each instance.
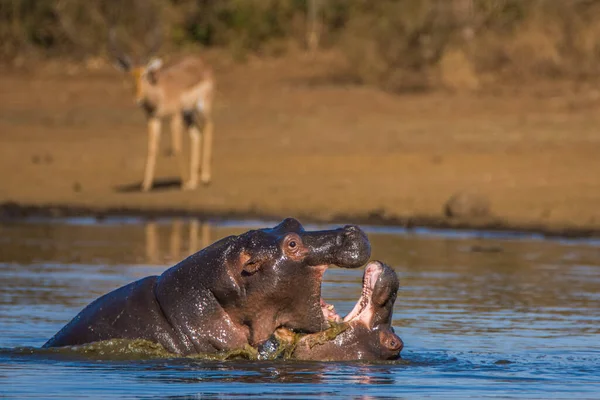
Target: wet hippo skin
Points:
(236, 292)
(367, 331)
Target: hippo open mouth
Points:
(364, 309)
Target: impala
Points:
(182, 92)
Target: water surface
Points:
(502, 316)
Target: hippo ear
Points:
(250, 268)
(249, 265)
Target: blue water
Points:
(481, 315)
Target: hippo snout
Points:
(354, 249)
(347, 247)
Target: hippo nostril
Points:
(396, 344)
(351, 231)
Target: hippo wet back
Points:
(233, 293)
(366, 332)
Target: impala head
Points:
(142, 70)
(142, 76)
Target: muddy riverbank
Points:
(291, 140)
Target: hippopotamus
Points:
(365, 333)
(234, 293)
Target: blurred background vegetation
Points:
(395, 44)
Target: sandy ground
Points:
(291, 140)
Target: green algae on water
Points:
(246, 353)
(120, 349)
(135, 349)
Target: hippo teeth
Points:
(360, 306)
(362, 309)
(329, 312)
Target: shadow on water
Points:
(508, 317)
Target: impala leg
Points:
(194, 158)
(175, 137)
(176, 128)
(153, 137)
(207, 149)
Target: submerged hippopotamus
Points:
(365, 333)
(234, 293)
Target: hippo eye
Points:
(292, 245)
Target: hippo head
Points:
(368, 333)
(278, 273)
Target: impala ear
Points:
(152, 68)
(154, 65)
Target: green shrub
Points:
(395, 44)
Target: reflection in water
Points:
(198, 238)
(151, 242)
(479, 317)
(164, 242)
(289, 372)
